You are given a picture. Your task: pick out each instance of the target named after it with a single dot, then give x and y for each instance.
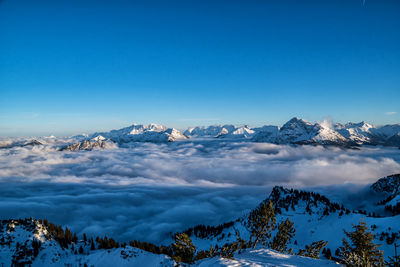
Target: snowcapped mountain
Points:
(299, 131)
(238, 132)
(220, 131)
(387, 131)
(98, 142)
(295, 131)
(143, 133)
(135, 133)
(394, 140)
(210, 131)
(357, 132)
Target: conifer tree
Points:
(285, 233)
(261, 222)
(395, 260)
(92, 246)
(362, 251)
(313, 250)
(183, 248)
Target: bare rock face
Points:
(89, 145)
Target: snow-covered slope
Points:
(29, 242)
(387, 131)
(357, 132)
(315, 218)
(264, 257)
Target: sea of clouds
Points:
(147, 191)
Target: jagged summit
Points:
(389, 184)
(143, 133)
(295, 131)
(300, 131)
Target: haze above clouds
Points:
(149, 190)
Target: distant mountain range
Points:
(295, 131)
(299, 131)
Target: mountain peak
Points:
(389, 184)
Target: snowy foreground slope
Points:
(28, 243)
(315, 217)
(264, 257)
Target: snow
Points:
(264, 257)
(127, 256)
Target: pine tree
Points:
(36, 244)
(327, 253)
(285, 233)
(395, 260)
(183, 248)
(261, 222)
(362, 251)
(92, 246)
(313, 250)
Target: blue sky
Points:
(80, 66)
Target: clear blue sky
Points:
(80, 66)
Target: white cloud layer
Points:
(149, 190)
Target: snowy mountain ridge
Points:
(296, 131)
(142, 133)
(299, 131)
